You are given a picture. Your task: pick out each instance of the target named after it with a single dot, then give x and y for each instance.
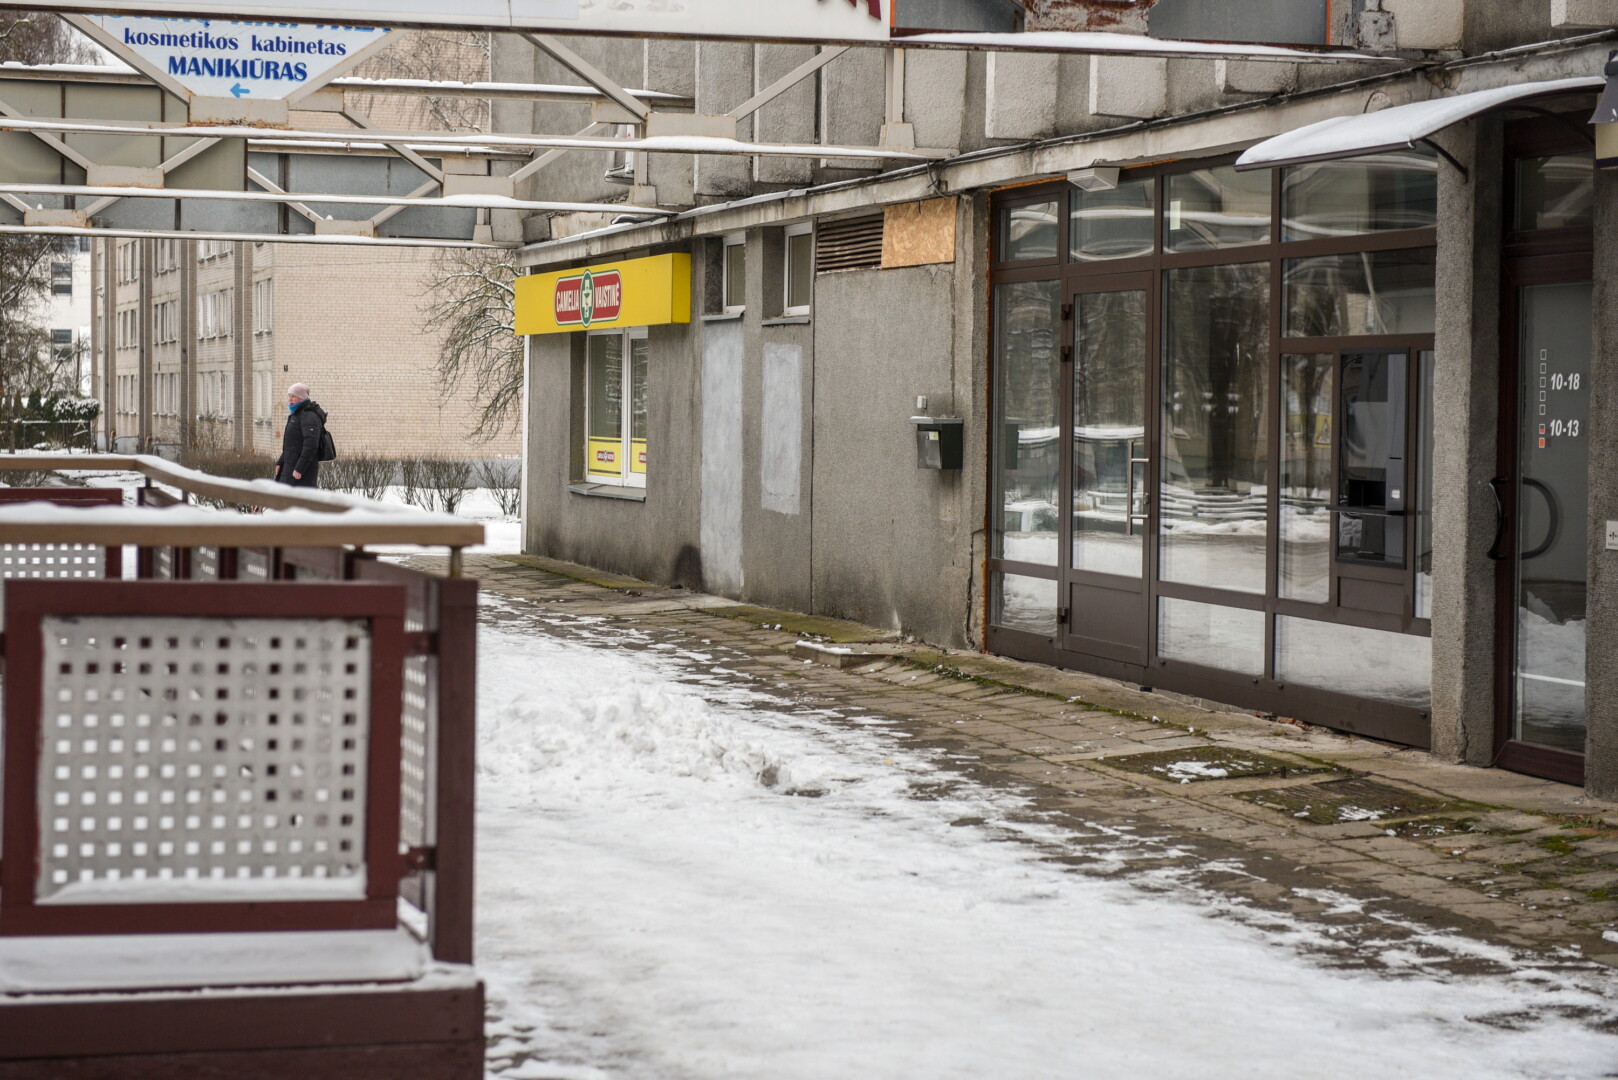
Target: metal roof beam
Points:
(273, 193)
(428, 142)
(250, 238)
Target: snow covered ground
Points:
(683, 874)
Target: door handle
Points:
(1129, 510)
(1500, 521)
(1554, 533)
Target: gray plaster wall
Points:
(892, 543)
(1466, 390)
(1601, 645)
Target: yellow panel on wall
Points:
(636, 292)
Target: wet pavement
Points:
(1395, 860)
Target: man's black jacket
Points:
(300, 446)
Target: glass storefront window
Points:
(616, 360)
(1116, 224)
(1028, 323)
(1026, 603)
(1556, 192)
(1376, 193)
(1029, 232)
(1376, 664)
(1212, 474)
(1216, 208)
(1306, 457)
(1226, 638)
(1381, 292)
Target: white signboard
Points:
(257, 60)
(809, 20)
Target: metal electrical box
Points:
(940, 441)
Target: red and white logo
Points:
(589, 298)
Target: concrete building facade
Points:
(1322, 438)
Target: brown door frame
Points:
(1544, 257)
(1072, 579)
(1519, 273)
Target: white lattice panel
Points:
(82, 561)
(415, 742)
(203, 759)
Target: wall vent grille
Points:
(850, 244)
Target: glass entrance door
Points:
(1110, 473)
(1548, 563)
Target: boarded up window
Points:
(919, 234)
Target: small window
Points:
(735, 272)
(615, 420)
(62, 279)
(1028, 232)
(800, 269)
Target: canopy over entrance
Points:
(1398, 128)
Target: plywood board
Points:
(919, 234)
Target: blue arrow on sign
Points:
(238, 90)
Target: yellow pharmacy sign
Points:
(636, 292)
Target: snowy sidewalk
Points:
(703, 856)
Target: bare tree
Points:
(471, 299)
(28, 363)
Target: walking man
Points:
(299, 463)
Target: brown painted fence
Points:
(249, 737)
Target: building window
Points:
(615, 408)
(733, 272)
(61, 279)
(214, 315)
(263, 307)
(61, 346)
(799, 266)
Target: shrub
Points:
(502, 478)
(450, 478)
(414, 484)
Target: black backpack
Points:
(328, 449)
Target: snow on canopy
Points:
(1398, 127)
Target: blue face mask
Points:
(292, 408)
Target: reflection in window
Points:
(1556, 192)
(1374, 664)
(1306, 440)
(1382, 292)
(1424, 487)
(1116, 224)
(1109, 432)
(1353, 196)
(1025, 603)
(1029, 232)
(1028, 399)
(1217, 208)
(1215, 427)
(1230, 639)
